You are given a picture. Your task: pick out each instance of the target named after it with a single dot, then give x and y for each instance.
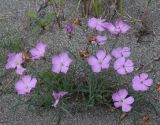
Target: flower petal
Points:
(119, 63)
(126, 107)
(148, 82)
(92, 61)
(64, 69)
(101, 54)
(129, 69)
(126, 52)
(101, 40)
(26, 79)
(139, 87)
(56, 68)
(123, 93)
(121, 71)
(100, 28)
(111, 28)
(96, 68)
(116, 97)
(56, 103)
(92, 23)
(129, 100)
(117, 52)
(32, 83)
(56, 60)
(123, 26)
(20, 70)
(129, 63)
(143, 76)
(118, 104)
(106, 61)
(21, 87)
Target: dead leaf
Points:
(145, 119)
(123, 116)
(83, 53)
(76, 21)
(26, 56)
(158, 87)
(91, 39)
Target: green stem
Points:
(95, 5)
(121, 9)
(60, 4)
(114, 43)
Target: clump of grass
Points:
(121, 8)
(11, 41)
(40, 23)
(98, 7)
(146, 11)
(92, 5)
(85, 86)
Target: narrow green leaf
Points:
(33, 15)
(149, 2)
(51, 2)
(36, 29)
(50, 17)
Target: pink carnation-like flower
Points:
(39, 51)
(119, 27)
(121, 52)
(98, 40)
(61, 63)
(101, 61)
(69, 28)
(141, 82)
(15, 61)
(57, 97)
(121, 100)
(98, 24)
(101, 40)
(123, 66)
(25, 85)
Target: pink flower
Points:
(101, 61)
(15, 61)
(39, 51)
(25, 85)
(98, 24)
(20, 70)
(121, 100)
(61, 63)
(141, 82)
(121, 52)
(101, 40)
(119, 27)
(69, 28)
(123, 66)
(57, 97)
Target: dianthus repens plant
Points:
(85, 79)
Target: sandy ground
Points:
(144, 49)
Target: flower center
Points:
(117, 29)
(18, 63)
(121, 53)
(27, 88)
(142, 82)
(62, 64)
(100, 61)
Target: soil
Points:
(144, 41)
